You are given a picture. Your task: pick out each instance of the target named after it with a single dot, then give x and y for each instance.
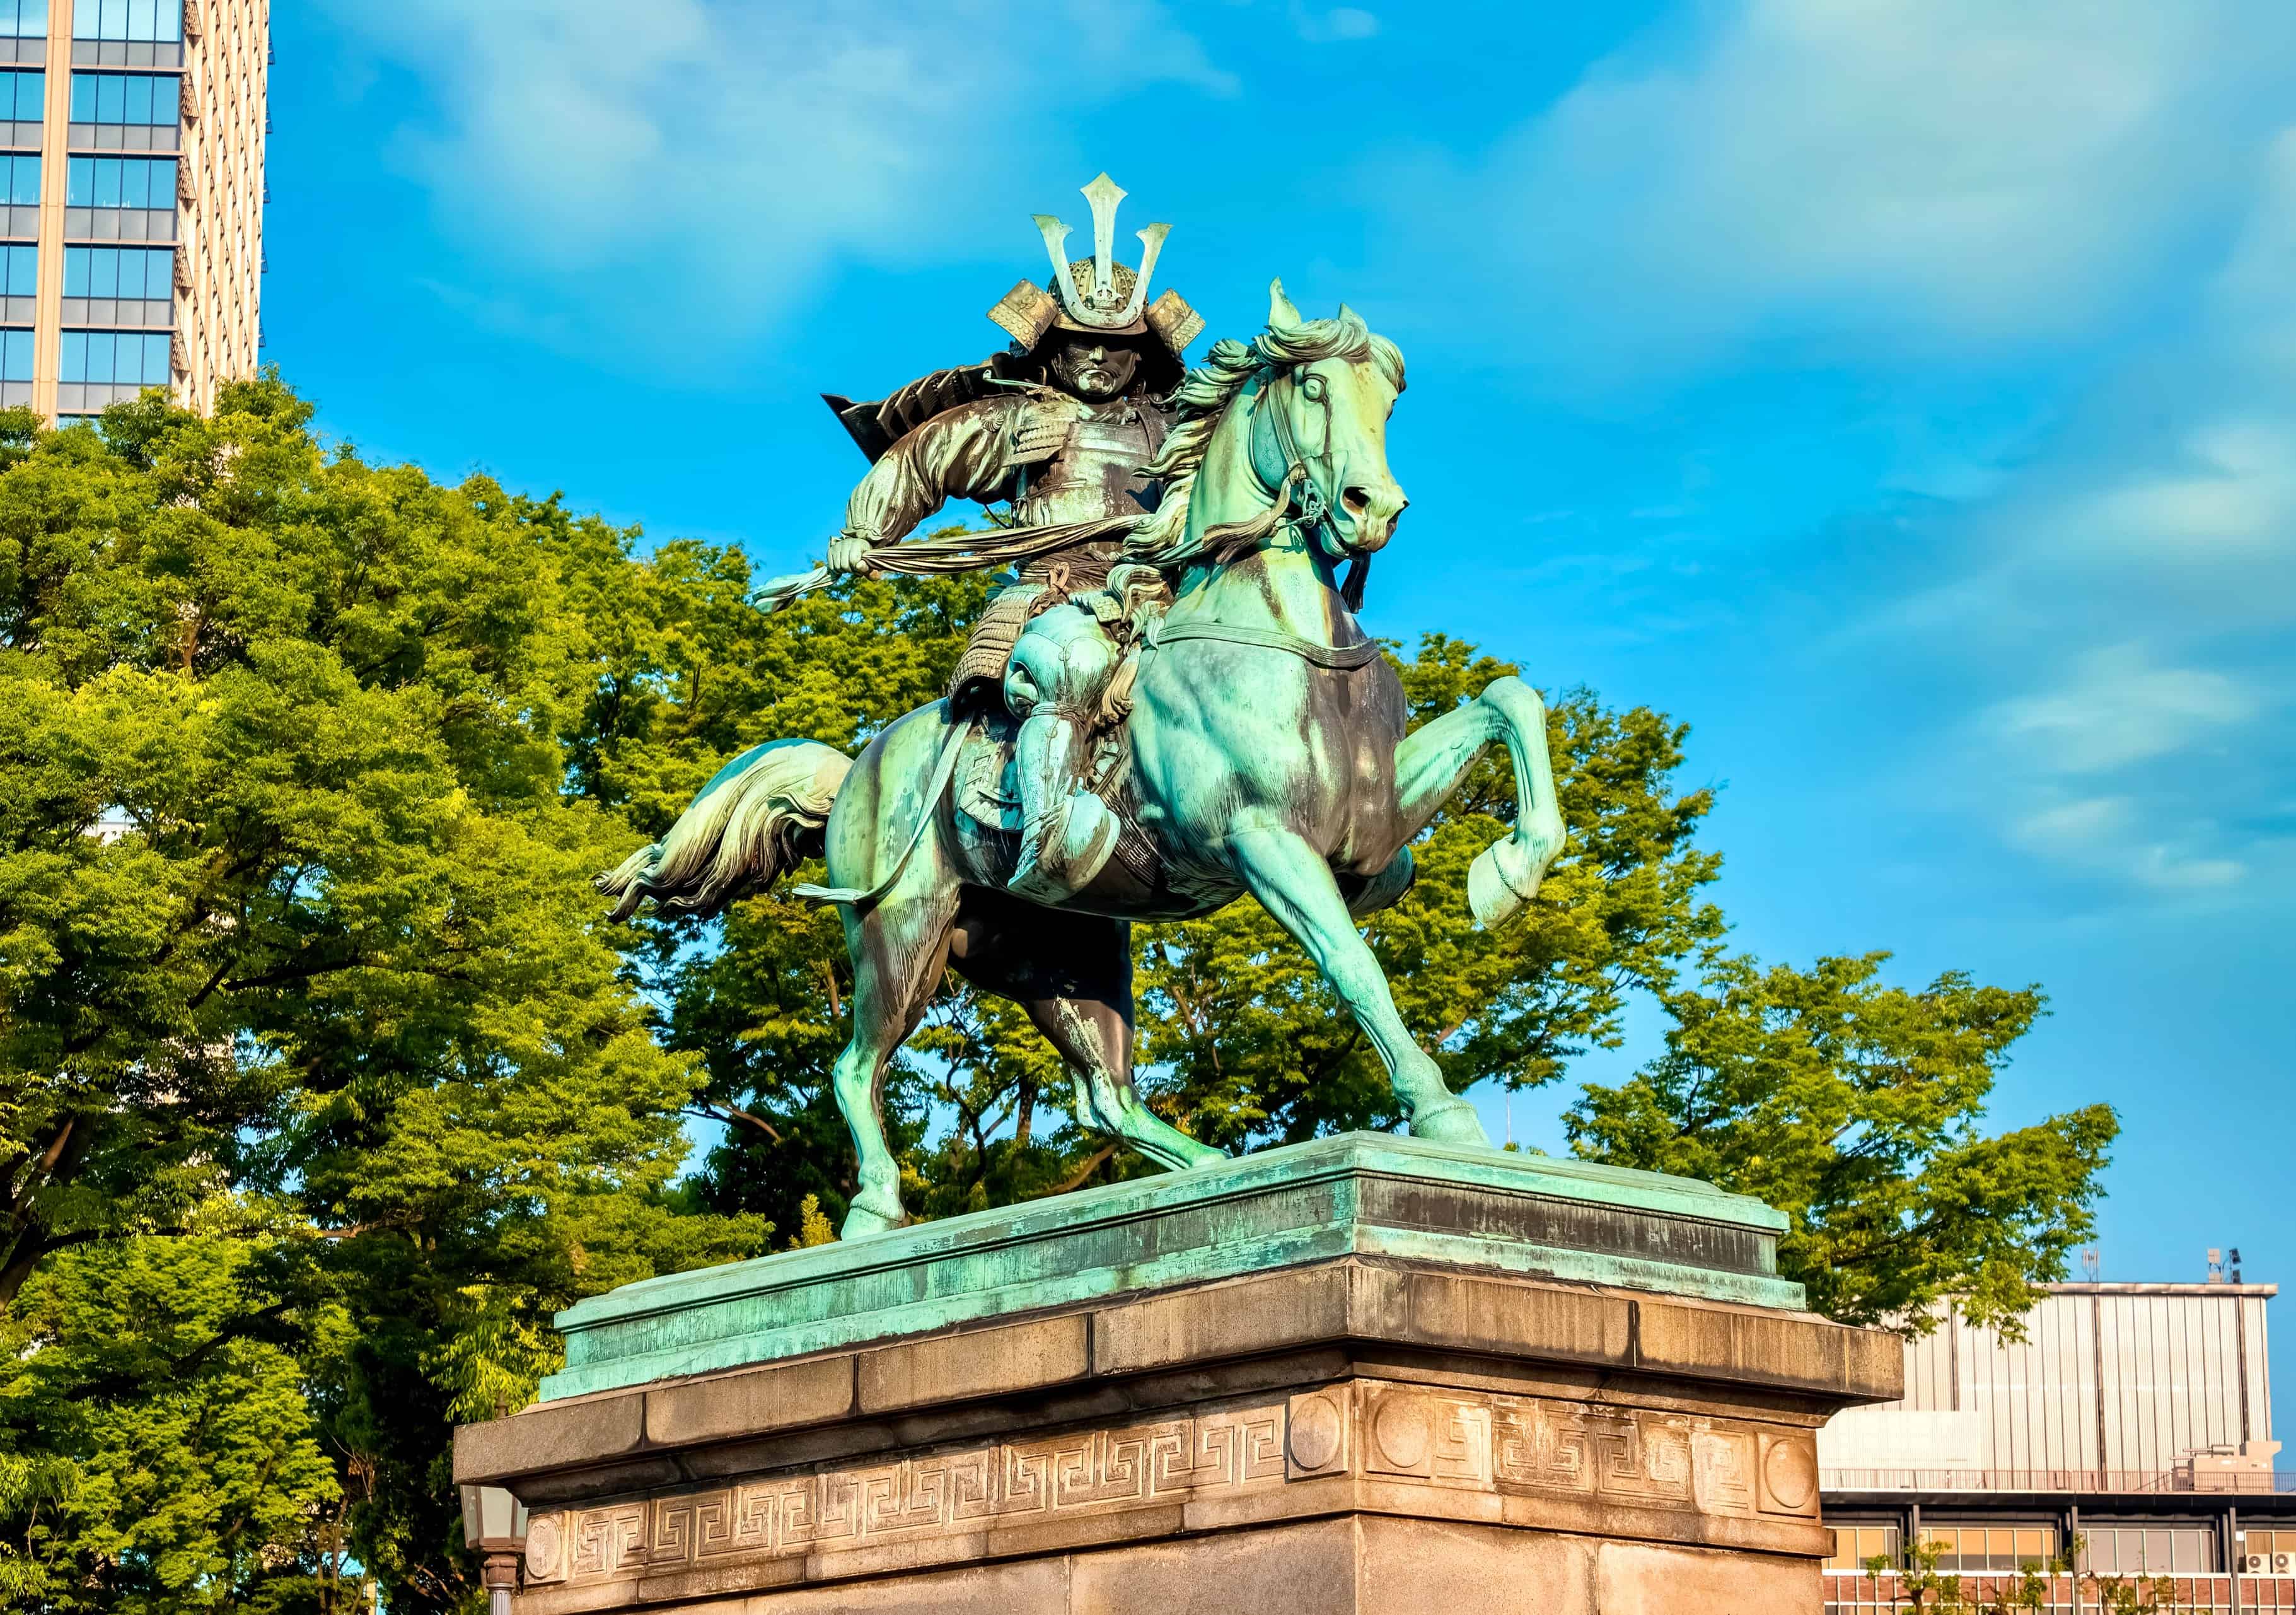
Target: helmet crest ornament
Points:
(1097, 294)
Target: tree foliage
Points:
(1854, 1107)
(323, 1084)
(295, 920)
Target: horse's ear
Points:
(1280, 311)
(1347, 314)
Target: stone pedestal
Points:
(1359, 1374)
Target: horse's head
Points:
(1334, 386)
(1293, 425)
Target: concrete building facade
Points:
(131, 155)
(2134, 1419)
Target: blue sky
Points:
(1898, 390)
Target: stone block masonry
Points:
(1356, 1430)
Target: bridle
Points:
(1314, 517)
(1313, 520)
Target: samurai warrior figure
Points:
(1059, 424)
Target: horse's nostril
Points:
(1356, 500)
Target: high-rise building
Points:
(2126, 1433)
(131, 159)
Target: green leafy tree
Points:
(161, 1448)
(295, 920)
(1856, 1109)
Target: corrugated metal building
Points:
(2136, 1418)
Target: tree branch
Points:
(719, 1110)
(1076, 1179)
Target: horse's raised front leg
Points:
(1293, 883)
(1434, 758)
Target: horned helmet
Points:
(1098, 296)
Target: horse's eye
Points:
(1313, 386)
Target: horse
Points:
(1266, 754)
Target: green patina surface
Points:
(1357, 1194)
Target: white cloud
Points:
(2236, 487)
(2167, 869)
(2119, 708)
(2083, 821)
(1341, 23)
(2106, 837)
(707, 166)
(1908, 173)
(2256, 290)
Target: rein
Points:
(1338, 658)
(1314, 508)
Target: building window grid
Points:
(2149, 1550)
(24, 98)
(1854, 1544)
(119, 182)
(123, 199)
(127, 98)
(127, 33)
(141, 20)
(19, 197)
(125, 357)
(1990, 1549)
(131, 272)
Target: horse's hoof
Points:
(1456, 1124)
(1504, 877)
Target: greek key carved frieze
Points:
(1374, 1429)
(949, 1491)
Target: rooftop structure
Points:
(2136, 1418)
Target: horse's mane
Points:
(1202, 398)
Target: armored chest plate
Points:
(1095, 474)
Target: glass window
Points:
(127, 359)
(23, 19)
(146, 272)
(21, 175)
(1854, 1544)
(15, 356)
(23, 96)
(2128, 1550)
(1979, 1550)
(148, 98)
(19, 268)
(139, 19)
(120, 182)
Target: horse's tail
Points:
(761, 816)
